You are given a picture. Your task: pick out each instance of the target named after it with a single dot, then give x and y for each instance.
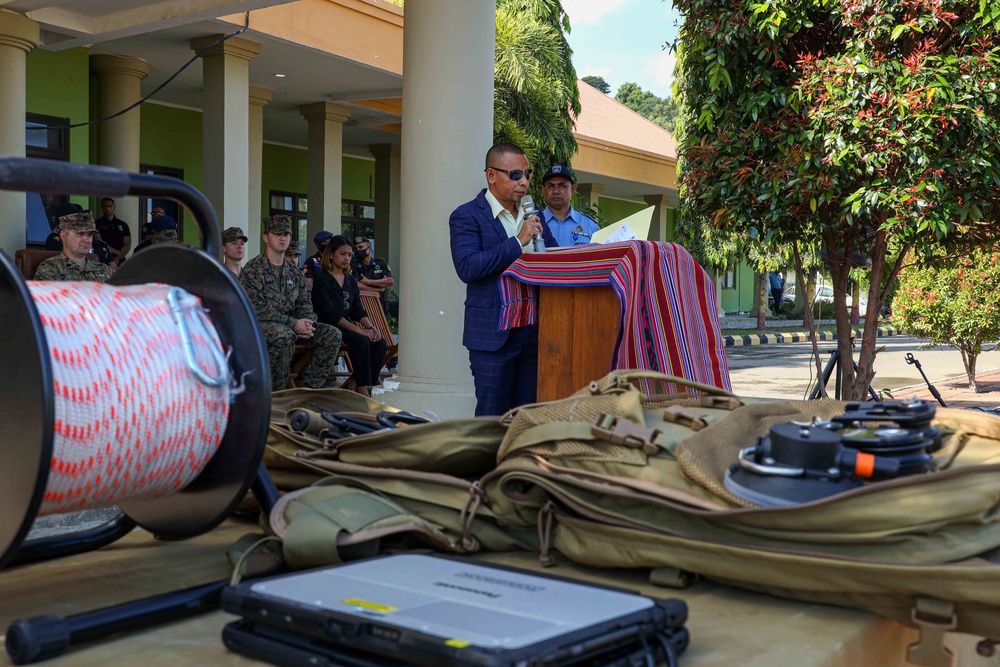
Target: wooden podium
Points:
(577, 328)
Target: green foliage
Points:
(858, 125)
(592, 211)
(535, 89)
(598, 82)
(841, 115)
(957, 305)
(661, 110)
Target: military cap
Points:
(278, 224)
(231, 234)
(163, 223)
(78, 222)
(293, 248)
(164, 236)
(322, 238)
(559, 171)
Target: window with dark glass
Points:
(295, 206)
(357, 218)
(46, 137)
(171, 208)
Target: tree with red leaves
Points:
(865, 127)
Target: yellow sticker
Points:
(456, 643)
(365, 604)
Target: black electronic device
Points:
(798, 462)
(288, 649)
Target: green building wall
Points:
(286, 168)
(359, 179)
(59, 85)
(741, 297)
(614, 210)
(172, 137)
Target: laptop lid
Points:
(461, 602)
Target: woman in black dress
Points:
(337, 301)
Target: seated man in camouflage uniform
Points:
(164, 230)
(76, 231)
(234, 248)
(277, 290)
(293, 254)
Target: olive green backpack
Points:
(348, 498)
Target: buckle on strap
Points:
(723, 402)
(625, 433)
(678, 414)
(934, 618)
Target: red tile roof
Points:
(605, 119)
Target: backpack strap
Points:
(337, 522)
(935, 618)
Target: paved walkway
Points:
(956, 392)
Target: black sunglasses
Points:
(514, 174)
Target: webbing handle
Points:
(629, 376)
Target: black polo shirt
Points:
(113, 232)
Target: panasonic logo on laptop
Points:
(534, 588)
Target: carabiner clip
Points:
(173, 299)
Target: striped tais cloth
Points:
(669, 318)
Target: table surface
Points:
(728, 626)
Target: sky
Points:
(622, 40)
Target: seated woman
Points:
(337, 301)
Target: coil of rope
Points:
(141, 388)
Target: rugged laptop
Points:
(425, 610)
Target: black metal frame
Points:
(27, 411)
(833, 368)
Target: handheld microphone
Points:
(528, 204)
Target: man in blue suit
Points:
(487, 235)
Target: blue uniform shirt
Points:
(574, 230)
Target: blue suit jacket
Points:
(481, 251)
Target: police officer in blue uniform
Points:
(371, 272)
(569, 226)
(312, 263)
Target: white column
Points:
(118, 140)
(658, 229)
(591, 192)
(226, 126)
(259, 97)
(326, 165)
(387, 184)
(18, 37)
(448, 55)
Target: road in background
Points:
(787, 370)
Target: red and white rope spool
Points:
(142, 391)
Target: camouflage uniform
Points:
(279, 297)
(61, 267)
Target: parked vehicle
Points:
(824, 293)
